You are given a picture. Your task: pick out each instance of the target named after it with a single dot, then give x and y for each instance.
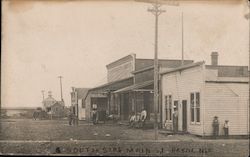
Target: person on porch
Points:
(143, 117)
(132, 120)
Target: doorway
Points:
(125, 108)
(184, 115)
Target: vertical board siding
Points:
(121, 70)
(180, 85)
(228, 102)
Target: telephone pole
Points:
(156, 11)
(182, 40)
(60, 77)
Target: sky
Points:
(77, 39)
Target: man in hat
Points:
(226, 128)
(215, 127)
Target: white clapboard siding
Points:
(180, 85)
(81, 110)
(228, 102)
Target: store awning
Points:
(136, 87)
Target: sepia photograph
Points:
(125, 78)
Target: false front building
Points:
(129, 87)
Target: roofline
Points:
(109, 83)
(83, 88)
(151, 67)
(162, 59)
(242, 82)
(227, 66)
(104, 86)
(118, 60)
(144, 69)
(187, 66)
(146, 83)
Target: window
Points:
(195, 107)
(168, 107)
(192, 106)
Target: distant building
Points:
(56, 108)
(49, 102)
(200, 92)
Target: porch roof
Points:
(135, 86)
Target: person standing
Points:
(143, 117)
(175, 120)
(70, 117)
(216, 127)
(94, 113)
(226, 128)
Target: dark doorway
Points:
(148, 103)
(175, 121)
(125, 105)
(184, 115)
(102, 104)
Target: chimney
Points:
(214, 58)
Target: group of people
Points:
(138, 119)
(216, 126)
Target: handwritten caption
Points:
(132, 150)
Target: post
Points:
(156, 12)
(60, 77)
(182, 40)
(156, 77)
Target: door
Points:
(175, 119)
(184, 115)
(147, 101)
(126, 106)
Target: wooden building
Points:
(129, 87)
(200, 92)
(102, 96)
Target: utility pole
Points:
(156, 11)
(182, 40)
(60, 77)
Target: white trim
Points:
(195, 115)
